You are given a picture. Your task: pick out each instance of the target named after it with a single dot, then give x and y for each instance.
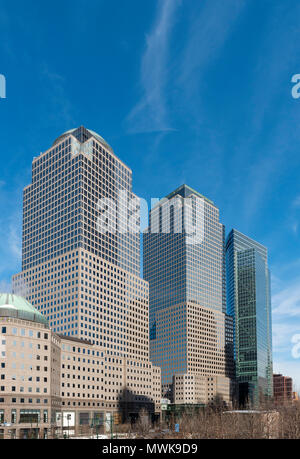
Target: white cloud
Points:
(10, 238)
(5, 287)
(286, 323)
(294, 227)
(60, 108)
(282, 336)
(210, 27)
(165, 75)
(15, 241)
(296, 202)
(151, 113)
(287, 301)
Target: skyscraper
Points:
(248, 302)
(83, 279)
(184, 265)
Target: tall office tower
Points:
(249, 304)
(184, 265)
(80, 259)
(61, 204)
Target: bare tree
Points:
(143, 425)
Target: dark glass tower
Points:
(248, 302)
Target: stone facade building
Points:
(52, 383)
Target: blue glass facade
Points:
(248, 302)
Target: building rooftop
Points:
(74, 339)
(185, 191)
(16, 306)
(82, 134)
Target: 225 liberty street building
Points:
(85, 282)
(249, 303)
(190, 334)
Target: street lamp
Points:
(111, 426)
(59, 418)
(68, 419)
(96, 423)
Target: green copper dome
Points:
(16, 306)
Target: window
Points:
(13, 416)
(29, 416)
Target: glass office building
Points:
(184, 265)
(249, 304)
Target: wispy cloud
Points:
(60, 110)
(210, 27)
(5, 287)
(151, 112)
(296, 202)
(287, 301)
(286, 324)
(10, 232)
(294, 227)
(263, 101)
(282, 335)
(15, 241)
(10, 243)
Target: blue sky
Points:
(185, 92)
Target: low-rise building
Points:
(52, 384)
(197, 389)
(283, 389)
